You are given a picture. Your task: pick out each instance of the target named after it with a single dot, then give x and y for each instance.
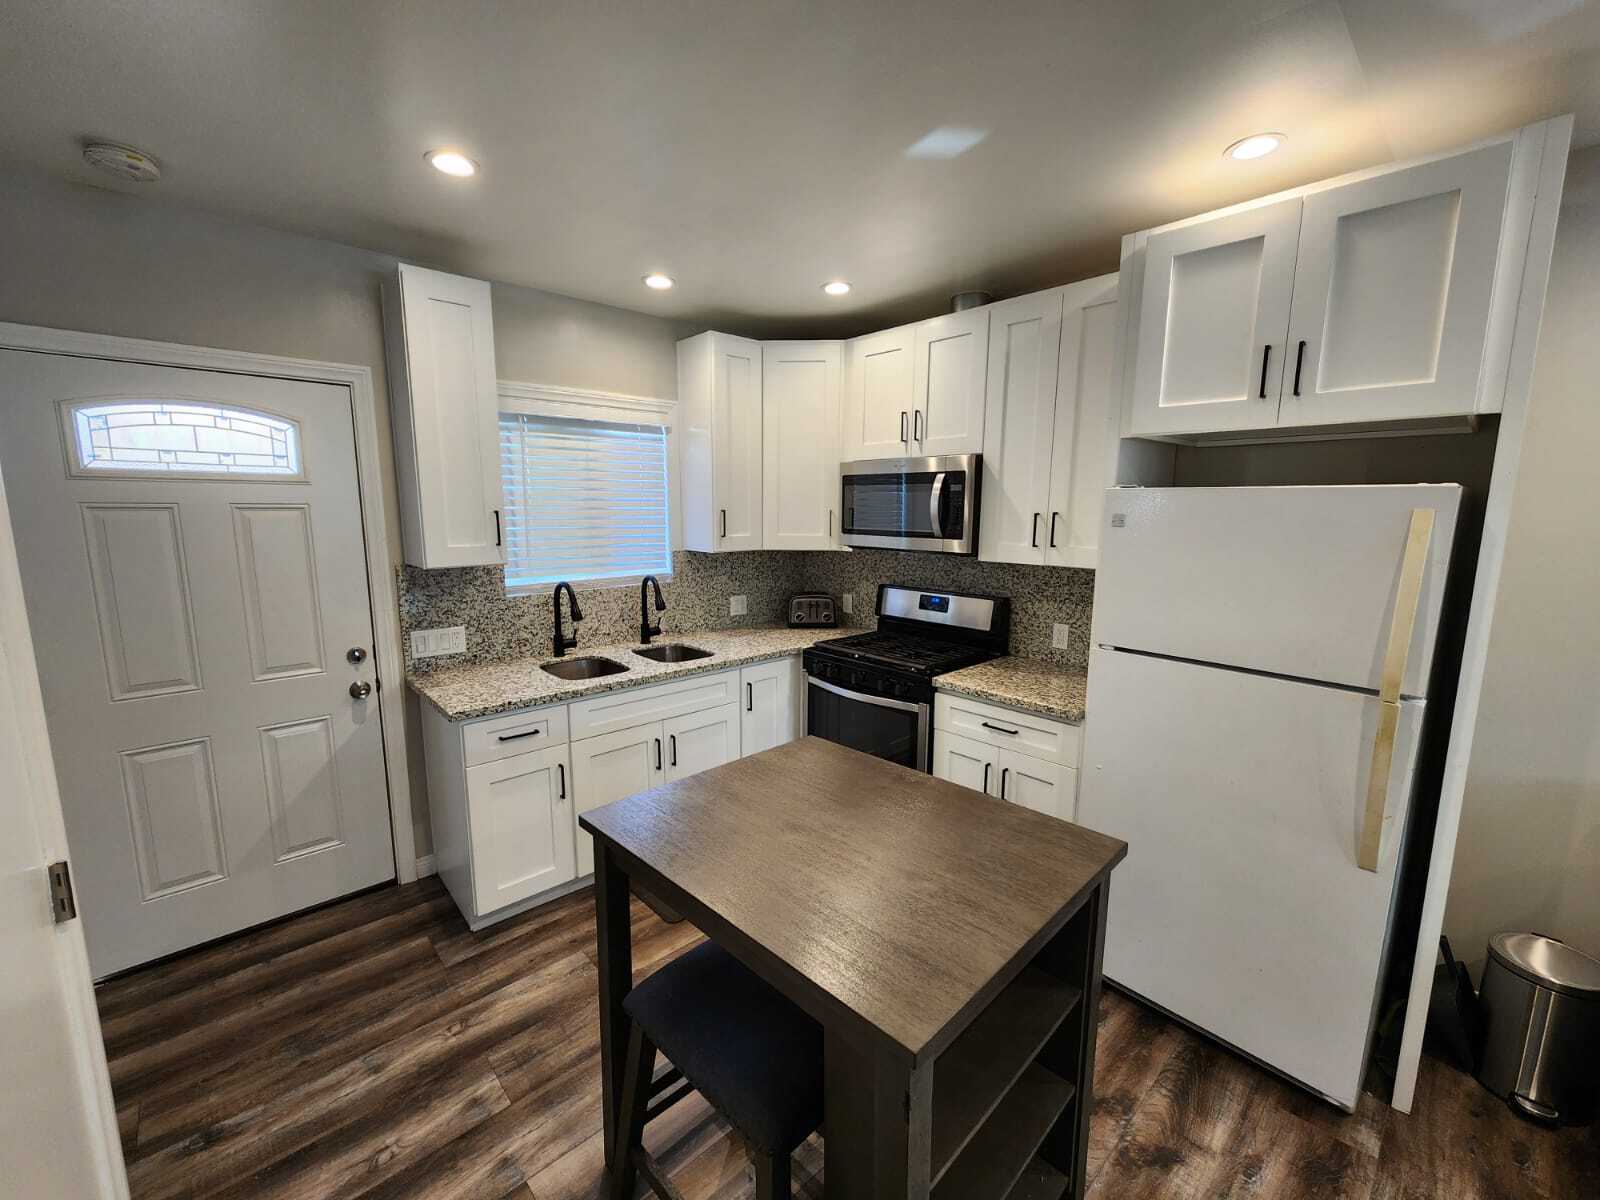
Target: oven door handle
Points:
(933, 505)
(880, 701)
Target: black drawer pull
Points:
(512, 737)
(999, 729)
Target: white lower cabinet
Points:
(1020, 757)
(520, 827)
(699, 741)
(771, 704)
(610, 767)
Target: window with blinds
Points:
(585, 500)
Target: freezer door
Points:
(1298, 581)
(1240, 907)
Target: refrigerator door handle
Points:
(1401, 626)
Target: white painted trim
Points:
(388, 655)
(426, 866)
(1552, 171)
(30, 781)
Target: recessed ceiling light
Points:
(1257, 145)
(658, 281)
(947, 141)
(837, 287)
(452, 162)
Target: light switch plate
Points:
(738, 606)
(1061, 636)
(425, 643)
(847, 601)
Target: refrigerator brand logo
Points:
(1118, 520)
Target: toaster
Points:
(812, 610)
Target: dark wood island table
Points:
(948, 943)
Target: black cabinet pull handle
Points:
(1004, 771)
(724, 522)
(903, 437)
(496, 512)
(658, 754)
(1054, 517)
(1266, 355)
(749, 697)
(1299, 361)
(916, 424)
(986, 767)
(672, 743)
(513, 737)
(1033, 531)
(561, 768)
(998, 728)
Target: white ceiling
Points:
(753, 150)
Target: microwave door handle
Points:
(933, 505)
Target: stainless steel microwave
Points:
(912, 503)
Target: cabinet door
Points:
(612, 767)
(951, 372)
(800, 430)
(1391, 292)
(448, 420)
(1019, 422)
(879, 390)
(736, 442)
(698, 741)
(965, 761)
(1213, 323)
(1045, 787)
(770, 700)
(1083, 451)
(520, 827)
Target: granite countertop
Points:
(1029, 684)
(481, 689)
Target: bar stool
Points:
(754, 1055)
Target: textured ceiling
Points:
(754, 150)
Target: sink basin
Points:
(582, 668)
(669, 652)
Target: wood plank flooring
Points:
(377, 1049)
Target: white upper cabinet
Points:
(950, 373)
(1050, 425)
(1391, 292)
(719, 405)
(800, 428)
(1019, 423)
(879, 391)
(1213, 322)
(445, 402)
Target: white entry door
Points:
(192, 558)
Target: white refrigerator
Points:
(1237, 701)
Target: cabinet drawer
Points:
(1054, 741)
(639, 706)
(516, 733)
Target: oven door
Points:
(893, 729)
(912, 503)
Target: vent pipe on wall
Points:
(962, 301)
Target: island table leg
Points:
(877, 1124)
(614, 939)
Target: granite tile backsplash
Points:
(501, 626)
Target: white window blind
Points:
(584, 499)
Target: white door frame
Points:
(387, 652)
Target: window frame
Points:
(579, 404)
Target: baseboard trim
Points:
(425, 867)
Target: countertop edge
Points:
(1066, 716)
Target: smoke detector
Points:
(122, 161)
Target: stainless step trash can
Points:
(1541, 1005)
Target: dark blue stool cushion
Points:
(748, 1050)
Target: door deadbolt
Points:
(356, 654)
(361, 690)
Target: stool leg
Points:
(772, 1176)
(635, 1100)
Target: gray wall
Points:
(1528, 856)
(102, 262)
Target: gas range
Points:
(874, 691)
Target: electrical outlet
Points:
(1061, 636)
(425, 643)
(846, 601)
(738, 606)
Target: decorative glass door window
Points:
(179, 438)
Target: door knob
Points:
(356, 654)
(361, 691)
